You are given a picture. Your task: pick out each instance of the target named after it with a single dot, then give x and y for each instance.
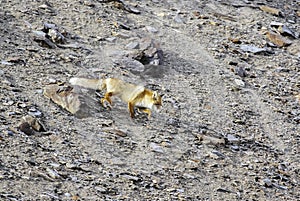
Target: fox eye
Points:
(154, 95)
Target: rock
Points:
(29, 125)
(26, 128)
(3, 62)
(111, 39)
(270, 10)
(286, 31)
(129, 177)
(56, 36)
(34, 123)
(294, 48)
(277, 39)
(232, 138)
(130, 64)
(240, 71)
(79, 104)
(53, 174)
(63, 96)
(173, 122)
(122, 35)
(239, 82)
(252, 49)
(210, 140)
(149, 52)
(117, 132)
(156, 148)
(132, 45)
(52, 31)
(235, 40)
(34, 112)
(178, 19)
(151, 29)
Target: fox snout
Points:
(157, 101)
(157, 108)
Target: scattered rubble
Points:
(229, 125)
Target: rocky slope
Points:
(229, 127)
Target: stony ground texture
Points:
(229, 127)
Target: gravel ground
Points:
(229, 126)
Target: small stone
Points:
(3, 62)
(130, 177)
(271, 10)
(70, 165)
(267, 183)
(33, 122)
(240, 71)
(8, 103)
(235, 40)
(277, 39)
(178, 19)
(111, 39)
(132, 45)
(284, 30)
(34, 112)
(252, 49)
(235, 147)
(151, 29)
(53, 174)
(26, 128)
(56, 36)
(156, 148)
(67, 194)
(239, 82)
(232, 138)
(122, 35)
(52, 81)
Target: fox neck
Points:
(145, 102)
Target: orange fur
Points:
(134, 95)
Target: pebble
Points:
(239, 82)
(122, 35)
(130, 177)
(232, 138)
(3, 62)
(151, 29)
(111, 39)
(252, 49)
(156, 148)
(53, 174)
(132, 45)
(34, 112)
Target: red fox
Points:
(134, 95)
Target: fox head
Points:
(157, 100)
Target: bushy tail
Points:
(87, 83)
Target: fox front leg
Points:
(106, 99)
(131, 109)
(147, 111)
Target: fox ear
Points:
(155, 95)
